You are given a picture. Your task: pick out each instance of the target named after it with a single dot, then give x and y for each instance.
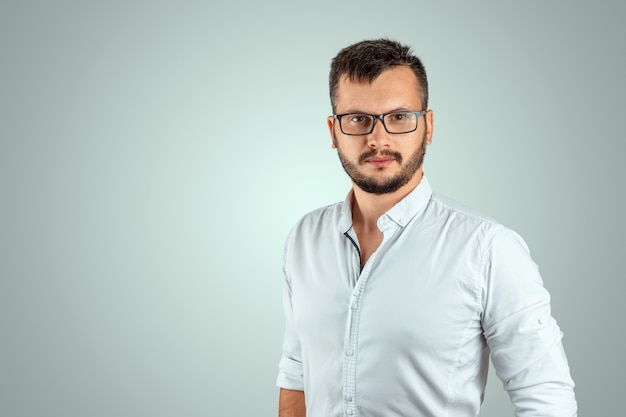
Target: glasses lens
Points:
(356, 124)
(400, 122)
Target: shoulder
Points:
(326, 215)
(465, 222)
(456, 217)
(321, 220)
(450, 207)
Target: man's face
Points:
(382, 162)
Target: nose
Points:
(379, 138)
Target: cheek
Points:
(351, 150)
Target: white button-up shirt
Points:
(410, 334)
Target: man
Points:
(395, 298)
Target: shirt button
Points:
(349, 411)
(355, 306)
(349, 352)
(348, 398)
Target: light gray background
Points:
(154, 155)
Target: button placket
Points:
(351, 339)
(351, 347)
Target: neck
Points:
(368, 208)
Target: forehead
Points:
(395, 88)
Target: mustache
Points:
(385, 152)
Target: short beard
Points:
(372, 185)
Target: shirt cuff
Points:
(290, 374)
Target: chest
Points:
(416, 298)
(368, 243)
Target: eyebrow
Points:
(394, 110)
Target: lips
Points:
(380, 161)
(380, 158)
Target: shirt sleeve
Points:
(524, 339)
(290, 369)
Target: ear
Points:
(429, 117)
(331, 122)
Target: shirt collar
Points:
(401, 213)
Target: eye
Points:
(398, 117)
(357, 118)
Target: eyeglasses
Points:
(356, 124)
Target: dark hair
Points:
(366, 60)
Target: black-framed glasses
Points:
(356, 124)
